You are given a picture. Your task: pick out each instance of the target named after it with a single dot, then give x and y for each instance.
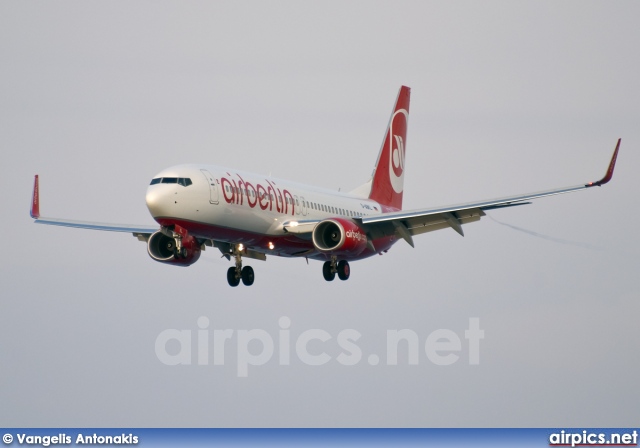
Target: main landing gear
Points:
(237, 273)
(333, 267)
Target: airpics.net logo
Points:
(256, 347)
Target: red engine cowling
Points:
(162, 248)
(339, 236)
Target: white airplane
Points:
(251, 215)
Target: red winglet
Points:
(607, 177)
(35, 201)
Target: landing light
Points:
(293, 223)
(240, 247)
(271, 246)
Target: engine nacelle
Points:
(339, 236)
(162, 248)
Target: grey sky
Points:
(507, 97)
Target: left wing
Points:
(136, 230)
(415, 222)
(407, 223)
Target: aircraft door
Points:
(303, 205)
(213, 187)
(297, 204)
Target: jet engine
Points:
(339, 236)
(163, 248)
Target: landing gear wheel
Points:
(247, 275)
(343, 270)
(181, 253)
(231, 277)
(328, 273)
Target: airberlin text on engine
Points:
(356, 235)
(269, 197)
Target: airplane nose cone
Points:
(156, 202)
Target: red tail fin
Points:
(388, 176)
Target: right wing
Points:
(137, 230)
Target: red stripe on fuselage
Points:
(285, 245)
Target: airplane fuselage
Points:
(227, 205)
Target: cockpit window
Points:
(184, 181)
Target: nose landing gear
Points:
(247, 275)
(238, 273)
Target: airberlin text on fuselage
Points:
(269, 197)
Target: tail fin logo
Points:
(387, 184)
(397, 129)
